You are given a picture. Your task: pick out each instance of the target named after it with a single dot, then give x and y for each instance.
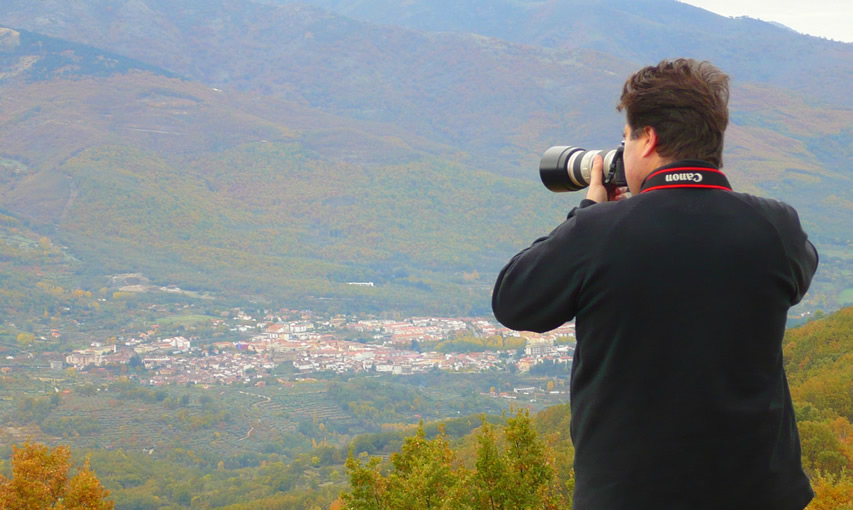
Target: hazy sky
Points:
(832, 19)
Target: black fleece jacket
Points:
(678, 394)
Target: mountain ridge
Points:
(643, 32)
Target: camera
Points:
(564, 168)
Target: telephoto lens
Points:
(563, 168)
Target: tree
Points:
(40, 481)
(45, 244)
(422, 476)
(528, 464)
(489, 481)
(832, 493)
(822, 451)
(25, 339)
(368, 488)
(514, 472)
(135, 361)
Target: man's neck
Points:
(653, 162)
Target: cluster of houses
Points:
(311, 345)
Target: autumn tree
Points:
(515, 471)
(422, 476)
(40, 481)
(368, 488)
(25, 339)
(832, 493)
(511, 472)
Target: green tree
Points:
(368, 488)
(422, 475)
(489, 483)
(519, 477)
(529, 469)
(821, 449)
(513, 472)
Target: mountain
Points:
(286, 151)
(448, 85)
(642, 32)
(185, 184)
(450, 88)
(139, 171)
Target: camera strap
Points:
(686, 177)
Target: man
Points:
(680, 294)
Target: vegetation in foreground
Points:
(40, 480)
(468, 462)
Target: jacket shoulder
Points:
(777, 212)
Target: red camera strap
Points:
(686, 177)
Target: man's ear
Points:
(650, 141)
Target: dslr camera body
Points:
(564, 168)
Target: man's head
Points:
(685, 103)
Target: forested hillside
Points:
(303, 150)
(270, 217)
(819, 363)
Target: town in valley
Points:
(308, 344)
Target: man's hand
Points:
(597, 191)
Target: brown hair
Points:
(686, 102)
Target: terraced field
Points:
(227, 422)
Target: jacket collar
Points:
(688, 173)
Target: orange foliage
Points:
(40, 480)
(832, 494)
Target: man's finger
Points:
(596, 192)
(596, 176)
